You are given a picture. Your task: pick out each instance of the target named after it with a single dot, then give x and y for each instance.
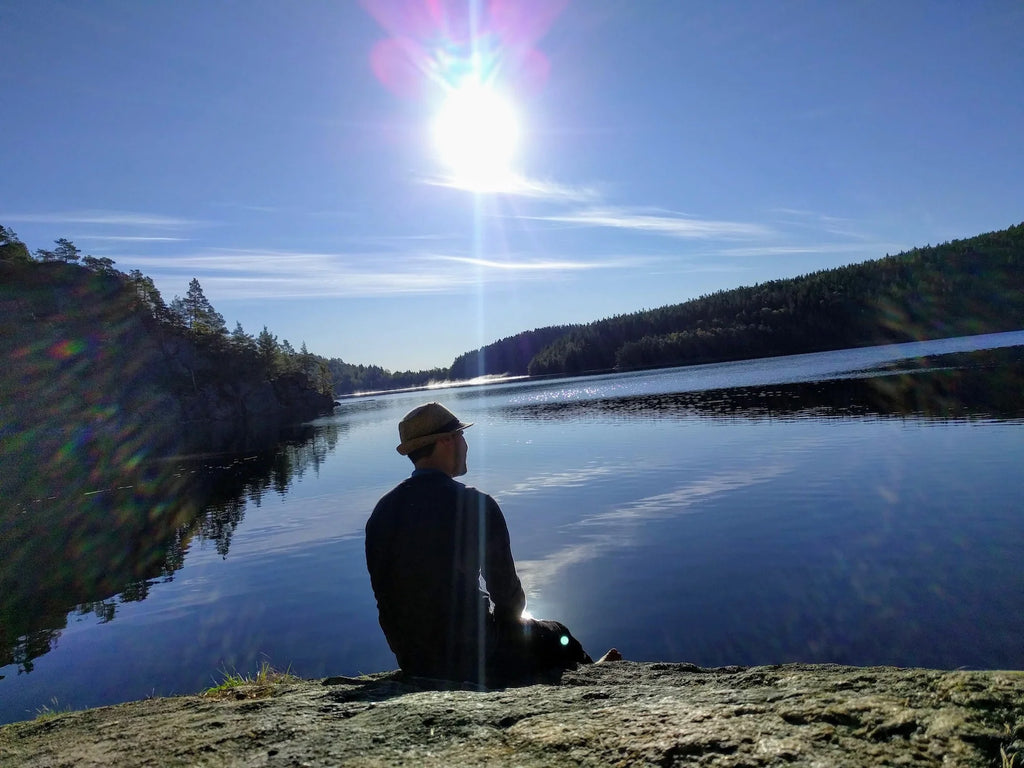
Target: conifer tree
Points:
(267, 349)
(196, 313)
(65, 251)
(11, 248)
(146, 294)
(242, 340)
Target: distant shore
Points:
(1004, 355)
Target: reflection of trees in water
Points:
(960, 386)
(87, 551)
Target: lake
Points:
(837, 507)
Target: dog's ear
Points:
(574, 652)
(566, 649)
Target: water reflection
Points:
(614, 528)
(92, 548)
(826, 535)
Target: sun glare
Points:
(476, 133)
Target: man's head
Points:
(432, 438)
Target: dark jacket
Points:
(428, 542)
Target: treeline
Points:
(64, 287)
(348, 378)
(97, 364)
(511, 355)
(969, 286)
(958, 288)
(230, 353)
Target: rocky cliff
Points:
(611, 714)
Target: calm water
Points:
(791, 509)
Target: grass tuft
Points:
(47, 712)
(239, 686)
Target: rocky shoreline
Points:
(611, 714)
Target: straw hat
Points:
(424, 425)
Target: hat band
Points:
(452, 426)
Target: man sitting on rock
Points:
(428, 543)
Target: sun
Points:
(476, 133)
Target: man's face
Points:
(460, 449)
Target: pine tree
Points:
(196, 313)
(11, 248)
(146, 294)
(267, 349)
(65, 251)
(242, 340)
(101, 264)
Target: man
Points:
(429, 542)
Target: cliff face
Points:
(619, 713)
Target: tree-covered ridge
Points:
(962, 287)
(61, 290)
(191, 317)
(958, 288)
(510, 355)
(349, 378)
(96, 364)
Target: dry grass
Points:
(238, 686)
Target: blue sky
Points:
(284, 152)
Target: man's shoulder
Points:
(396, 492)
(428, 482)
(470, 490)
(417, 484)
(480, 499)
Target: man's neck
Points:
(426, 466)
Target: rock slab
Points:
(613, 714)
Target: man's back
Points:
(427, 542)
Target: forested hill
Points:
(99, 372)
(511, 355)
(958, 288)
(70, 315)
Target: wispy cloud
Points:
(133, 239)
(109, 218)
(337, 284)
(790, 250)
(534, 265)
(808, 214)
(270, 209)
(258, 274)
(686, 496)
(264, 274)
(220, 260)
(514, 185)
(615, 528)
(583, 207)
(665, 223)
(821, 222)
(569, 478)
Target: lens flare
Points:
(476, 133)
(468, 59)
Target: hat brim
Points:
(418, 442)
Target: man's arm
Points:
(499, 569)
